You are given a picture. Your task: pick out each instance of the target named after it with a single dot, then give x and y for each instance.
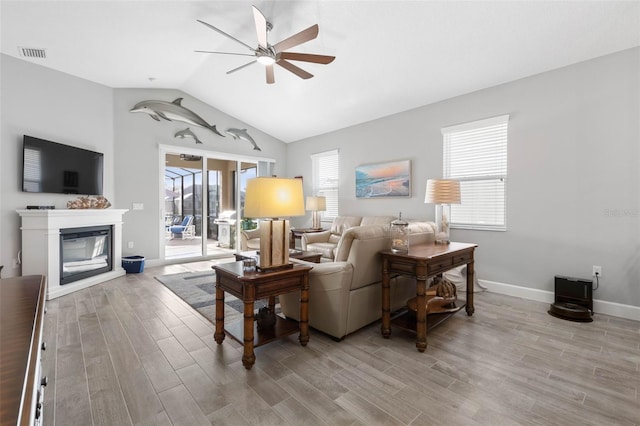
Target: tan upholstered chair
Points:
(250, 239)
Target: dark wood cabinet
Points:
(22, 307)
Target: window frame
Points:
(491, 131)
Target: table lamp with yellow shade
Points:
(271, 200)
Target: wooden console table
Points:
(422, 262)
(250, 286)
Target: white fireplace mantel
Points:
(41, 244)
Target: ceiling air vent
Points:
(30, 52)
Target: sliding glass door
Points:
(204, 202)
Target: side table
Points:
(250, 286)
(422, 262)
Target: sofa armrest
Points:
(329, 285)
(250, 234)
(315, 237)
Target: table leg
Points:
(304, 311)
(219, 333)
(248, 357)
(385, 328)
(272, 303)
(421, 314)
(470, 274)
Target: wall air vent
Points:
(30, 52)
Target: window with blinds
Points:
(476, 154)
(325, 167)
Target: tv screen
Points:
(60, 169)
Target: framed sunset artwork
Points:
(380, 180)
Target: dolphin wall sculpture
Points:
(173, 111)
(187, 133)
(242, 134)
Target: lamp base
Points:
(315, 220)
(443, 213)
(274, 244)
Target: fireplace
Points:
(85, 252)
(42, 232)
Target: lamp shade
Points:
(269, 197)
(442, 191)
(316, 204)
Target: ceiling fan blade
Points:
(224, 53)
(294, 69)
(270, 77)
(240, 67)
(227, 35)
(261, 27)
(296, 39)
(307, 57)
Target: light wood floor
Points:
(130, 352)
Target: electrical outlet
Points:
(597, 270)
(130, 244)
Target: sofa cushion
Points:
(360, 246)
(342, 223)
(421, 233)
(377, 220)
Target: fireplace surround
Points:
(43, 233)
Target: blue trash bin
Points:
(133, 264)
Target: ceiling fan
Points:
(268, 54)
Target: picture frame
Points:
(383, 180)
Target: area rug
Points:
(198, 289)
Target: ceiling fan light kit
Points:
(267, 54)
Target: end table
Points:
(250, 286)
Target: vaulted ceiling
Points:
(391, 56)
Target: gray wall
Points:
(572, 191)
(137, 137)
(51, 105)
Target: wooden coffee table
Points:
(250, 286)
(309, 256)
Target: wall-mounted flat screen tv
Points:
(55, 168)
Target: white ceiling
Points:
(391, 56)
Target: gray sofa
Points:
(345, 294)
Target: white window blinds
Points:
(476, 154)
(325, 167)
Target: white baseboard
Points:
(599, 306)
